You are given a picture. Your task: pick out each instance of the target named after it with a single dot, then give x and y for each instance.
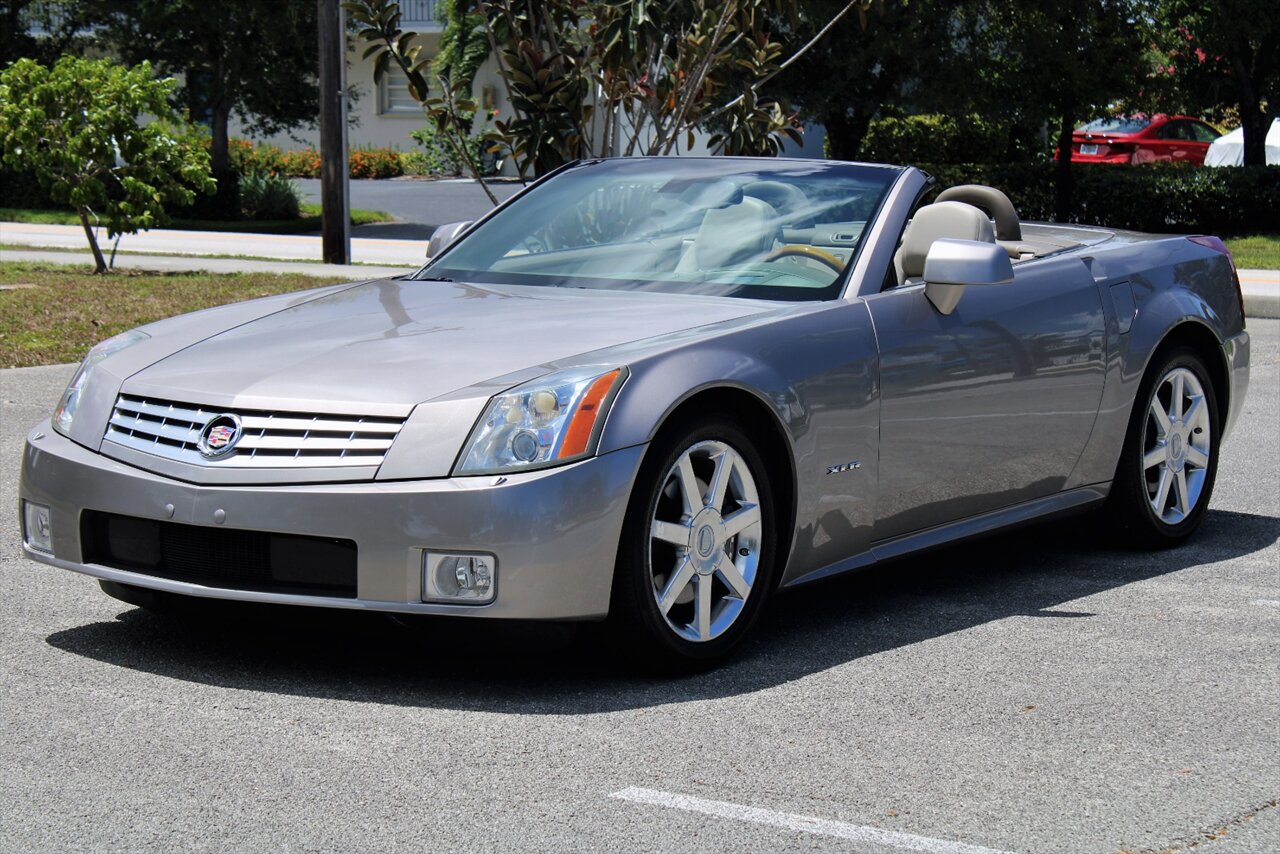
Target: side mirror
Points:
(951, 265)
(444, 235)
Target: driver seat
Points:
(731, 234)
(955, 220)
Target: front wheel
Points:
(697, 557)
(1167, 469)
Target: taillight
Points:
(1210, 242)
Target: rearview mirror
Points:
(951, 265)
(444, 235)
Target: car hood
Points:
(383, 346)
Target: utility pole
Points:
(335, 198)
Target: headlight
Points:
(66, 411)
(549, 421)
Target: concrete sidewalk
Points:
(303, 247)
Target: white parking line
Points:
(1266, 603)
(872, 836)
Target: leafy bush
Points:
(436, 157)
(934, 138)
(224, 204)
(75, 127)
(300, 164)
(374, 163)
(1157, 197)
(248, 157)
(268, 197)
(22, 190)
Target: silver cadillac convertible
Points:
(654, 391)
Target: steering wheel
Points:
(801, 251)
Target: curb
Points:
(1262, 305)
(1261, 290)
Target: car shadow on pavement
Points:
(562, 669)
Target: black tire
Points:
(643, 634)
(1130, 507)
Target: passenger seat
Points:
(731, 235)
(955, 220)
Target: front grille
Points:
(220, 557)
(270, 439)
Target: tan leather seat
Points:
(731, 235)
(955, 220)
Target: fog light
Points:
(37, 530)
(466, 579)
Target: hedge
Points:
(1156, 197)
(248, 158)
(934, 138)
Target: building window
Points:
(393, 95)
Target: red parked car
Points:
(1142, 139)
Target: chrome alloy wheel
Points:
(1177, 445)
(705, 538)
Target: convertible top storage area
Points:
(946, 217)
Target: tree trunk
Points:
(1064, 182)
(219, 154)
(100, 263)
(845, 133)
(1255, 123)
(1252, 119)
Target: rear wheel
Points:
(1169, 463)
(697, 557)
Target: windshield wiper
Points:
(432, 279)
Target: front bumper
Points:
(554, 532)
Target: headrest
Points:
(932, 222)
(734, 233)
(790, 202)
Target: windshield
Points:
(741, 227)
(1115, 126)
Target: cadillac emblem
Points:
(219, 436)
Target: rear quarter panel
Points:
(1172, 282)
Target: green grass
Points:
(63, 311)
(308, 222)
(1259, 252)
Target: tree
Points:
(41, 30)
(256, 58)
(1060, 61)
(1227, 51)
(77, 127)
(903, 57)
(463, 44)
(592, 78)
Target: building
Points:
(383, 114)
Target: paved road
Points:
(1035, 692)
(425, 204)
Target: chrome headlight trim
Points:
(546, 422)
(65, 412)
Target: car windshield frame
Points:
(674, 197)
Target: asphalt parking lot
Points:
(1035, 692)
